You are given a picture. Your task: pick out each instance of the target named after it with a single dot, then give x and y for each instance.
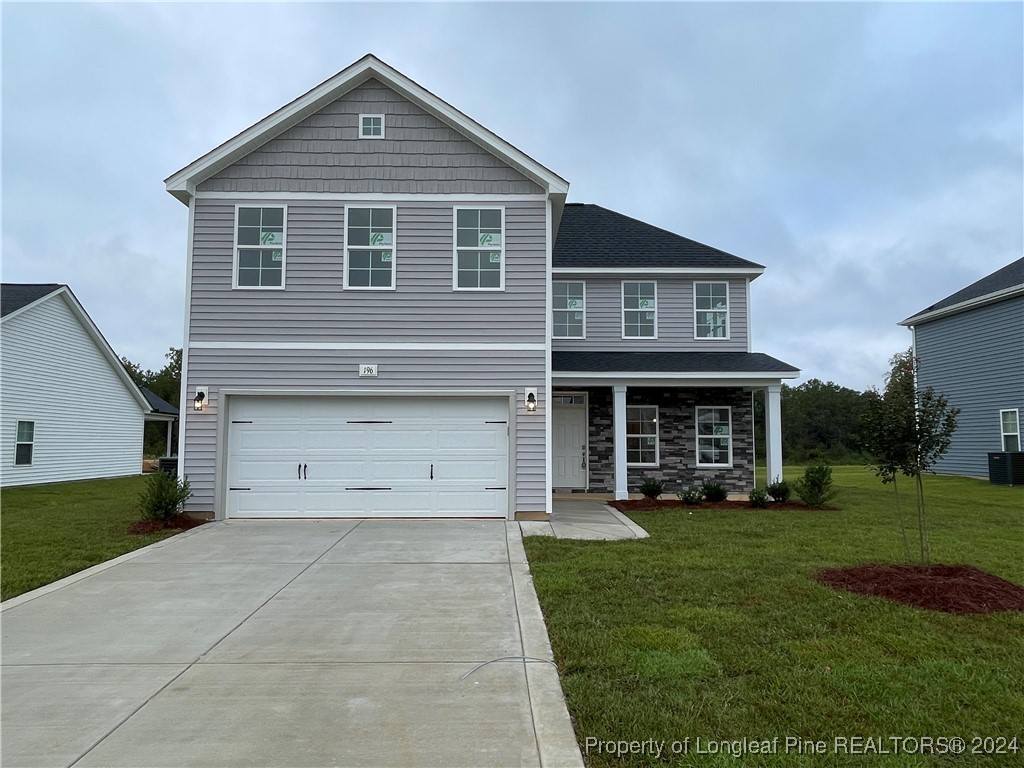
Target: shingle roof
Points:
(14, 296)
(592, 236)
(668, 362)
(1010, 276)
(157, 404)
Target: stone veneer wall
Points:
(677, 435)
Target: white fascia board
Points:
(182, 183)
(963, 306)
(370, 346)
(101, 343)
(696, 379)
(361, 197)
(751, 272)
(35, 303)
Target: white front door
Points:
(569, 447)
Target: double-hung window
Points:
(370, 248)
(711, 310)
(1010, 426)
(259, 247)
(569, 301)
(639, 310)
(714, 437)
(24, 443)
(642, 435)
(480, 249)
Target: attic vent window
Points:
(371, 126)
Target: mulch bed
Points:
(647, 505)
(180, 523)
(947, 588)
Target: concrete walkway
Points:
(585, 520)
(289, 643)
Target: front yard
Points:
(48, 532)
(714, 628)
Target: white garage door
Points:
(368, 456)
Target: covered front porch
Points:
(620, 418)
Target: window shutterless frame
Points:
(1009, 427)
(710, 309)
(393, 247)
(715, 435)
(238, 247)
(24, 443)
(565, 316)
(643, 417)
(481, 251)
(371, 126)
(640, 310)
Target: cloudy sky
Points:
(869, 155)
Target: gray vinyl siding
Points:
(975, 358)
(323, 153)
(336, 371)
(675, 327)
(422, 308)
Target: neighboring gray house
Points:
(970, 347)
(393, 311)
(68, 409)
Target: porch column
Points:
(619, 431)
(773, 431)
(170, 433)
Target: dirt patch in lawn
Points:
(947, 588)
(647, 505)
(180, 523)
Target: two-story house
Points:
(392, 311)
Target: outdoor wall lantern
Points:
(200, 400)
(531, 400)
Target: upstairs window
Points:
(642, 435)
(371, 126)
(714, 437)
(259, 247)
(639, 310)
(370, 248)
(24, 443)
(480, 249)
(1010, 425)
(569, 310)
(711, 308)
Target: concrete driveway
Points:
(289, 643)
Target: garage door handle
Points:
(305, 467)
(431, 471)
(299, 470)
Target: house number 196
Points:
(367, 370)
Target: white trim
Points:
(952, 309)
(370, 346)
(284, 251)
(373, 197)
(17, 442)
(479, 249)
(622, 309)
(657, 438)
(763, 376)
(371, 135)
(182, 183)
(593, 380)
(697, 437)
(549, 239)
(599, 271)
(35, 303)
(584, 330)
(1003, 435)
(186, 333)
(728, 317)
(393, 248)
(750, 336)
(586, 432)
(621, 477)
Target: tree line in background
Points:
(165, 384)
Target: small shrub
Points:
(692, 496)
(652, 488)
(815, 487)
(759, 498)
(714, 491)
(779, 491)
(164, 496)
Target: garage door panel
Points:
(350, 443)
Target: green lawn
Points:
(715, 628)
(48, 532)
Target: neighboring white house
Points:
(68, 409)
